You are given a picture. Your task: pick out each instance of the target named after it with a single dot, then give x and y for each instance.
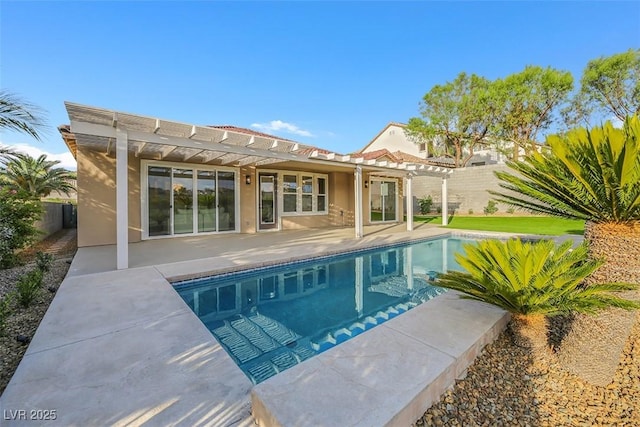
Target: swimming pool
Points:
(270, 319)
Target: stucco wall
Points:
(97, 198)
(394, 139)
(248, 200)
(341, 199)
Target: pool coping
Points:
(337, 387)
(122, 348)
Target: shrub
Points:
(425, 204)
(5, 311)
(44, 261)
(510, 210)
(531, 281)
(470, 211)
(491, 208)
(29, 287)
(18, 213)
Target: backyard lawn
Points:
(511, 224)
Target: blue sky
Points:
(330, 74)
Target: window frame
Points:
(315, 192)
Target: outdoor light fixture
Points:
(366, 184)
(247, 179)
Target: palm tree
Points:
(38, 177)
(18, 115)
(593, 175)
(532, 281)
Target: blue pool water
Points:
(271, 319)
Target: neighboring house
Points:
(394, 139)
(143, 178)
(467, 188)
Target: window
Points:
(322, 195)
(307, 193)
(423, 147)
(304, 193)
(289, 193)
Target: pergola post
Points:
(408, 184)
(445, 204)
(358, 212)
(122, 201)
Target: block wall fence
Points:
(467, 189)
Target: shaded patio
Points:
(186, 257)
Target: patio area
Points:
(192, 256)
(120, 347)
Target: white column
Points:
(358, 213)
(359, 285)
(408, 193)
(122, 201)
(445, 207)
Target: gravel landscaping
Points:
(24, 321)
(505, 388)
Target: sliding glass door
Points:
(159, 197)
(383, 197)
(207, 210)
(182, 201)
(226, 201)
(185, 200)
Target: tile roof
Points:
(373, 155)
(249, 132)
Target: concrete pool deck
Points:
(122, 348)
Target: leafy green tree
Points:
(38, 177)
(455, 117)
(18, 213)
(19, 115)
(610, 85)
(529, 100)
(593, 175)
(532, 281)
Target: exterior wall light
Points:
(247, 179)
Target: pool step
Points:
(274, 329)
(277, 361)
(341, 335)
(239, 345)
(254, 334)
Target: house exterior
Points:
(467, 188)
(393, 138)
(144, 178)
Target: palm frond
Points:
(19, 115)
(532, 278)
(591, 175)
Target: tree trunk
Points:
(593, 346)
(529, 331)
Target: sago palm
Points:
(532, 281)
(592, 175)
(38, 177)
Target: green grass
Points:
(511, 224)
